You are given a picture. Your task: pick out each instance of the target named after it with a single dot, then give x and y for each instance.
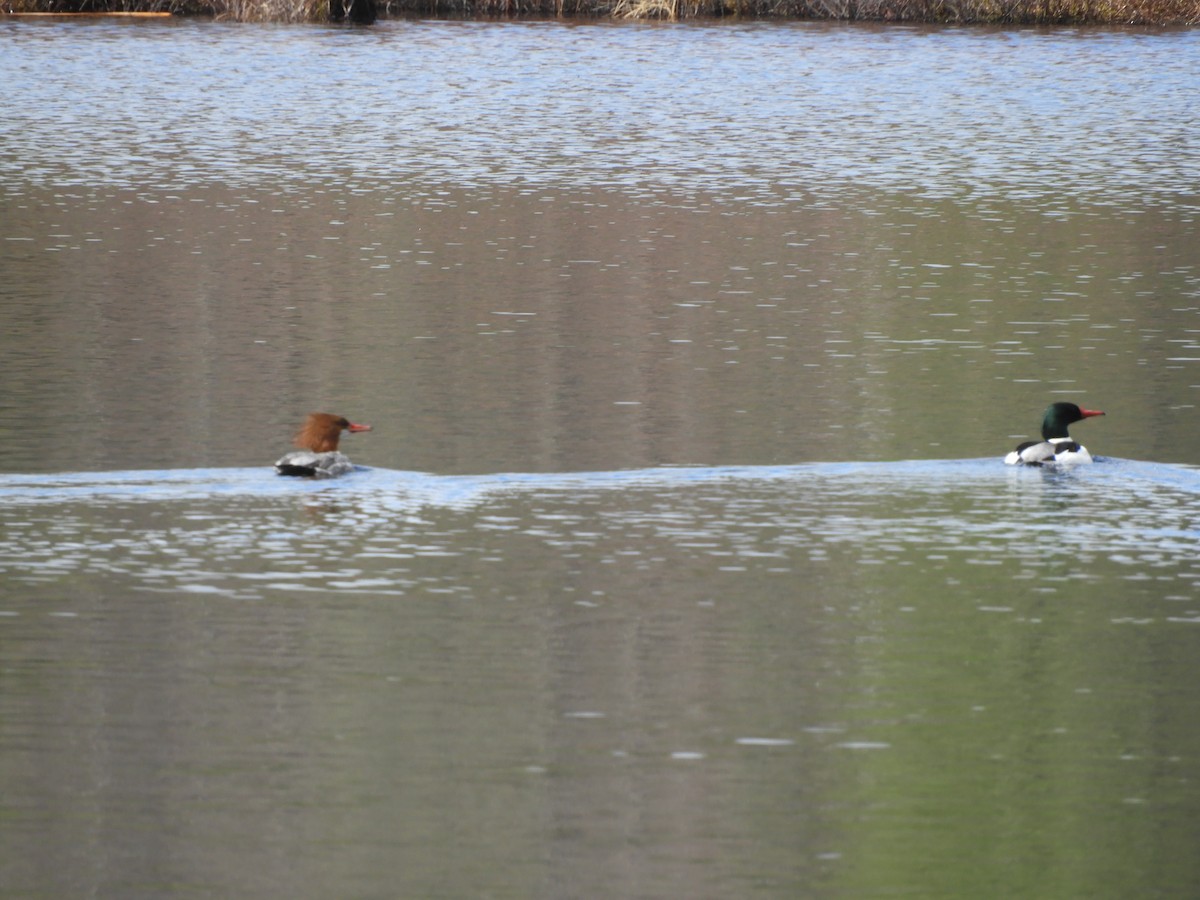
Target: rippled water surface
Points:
(772, 109)
(602, 683)
(681, 561)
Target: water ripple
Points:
(778, 112)
(246, 533)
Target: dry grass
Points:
(235, 10)
(1008, 12)
(270, 10)
(31, 7)
(646, 9)
(1011, 12)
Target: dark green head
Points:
(1061, 415)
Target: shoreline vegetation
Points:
(1155, 13)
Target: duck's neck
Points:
(318, 436)
(326, 444)
(1053, 427)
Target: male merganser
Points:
(1058, 447)
(318, 455)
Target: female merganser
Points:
(1058, 447)
(318, 455)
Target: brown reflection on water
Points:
(566, 718)
(557, 330)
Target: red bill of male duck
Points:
(318, 456)
(1057, 446)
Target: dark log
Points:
(361, 12)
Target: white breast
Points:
(1057, 451)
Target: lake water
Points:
(682, 562)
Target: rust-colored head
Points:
(321, 431)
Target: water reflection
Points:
(954, 113)
(365, 533)
(552, 673)
(512, 333)
(659, 272)
(575, 247)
